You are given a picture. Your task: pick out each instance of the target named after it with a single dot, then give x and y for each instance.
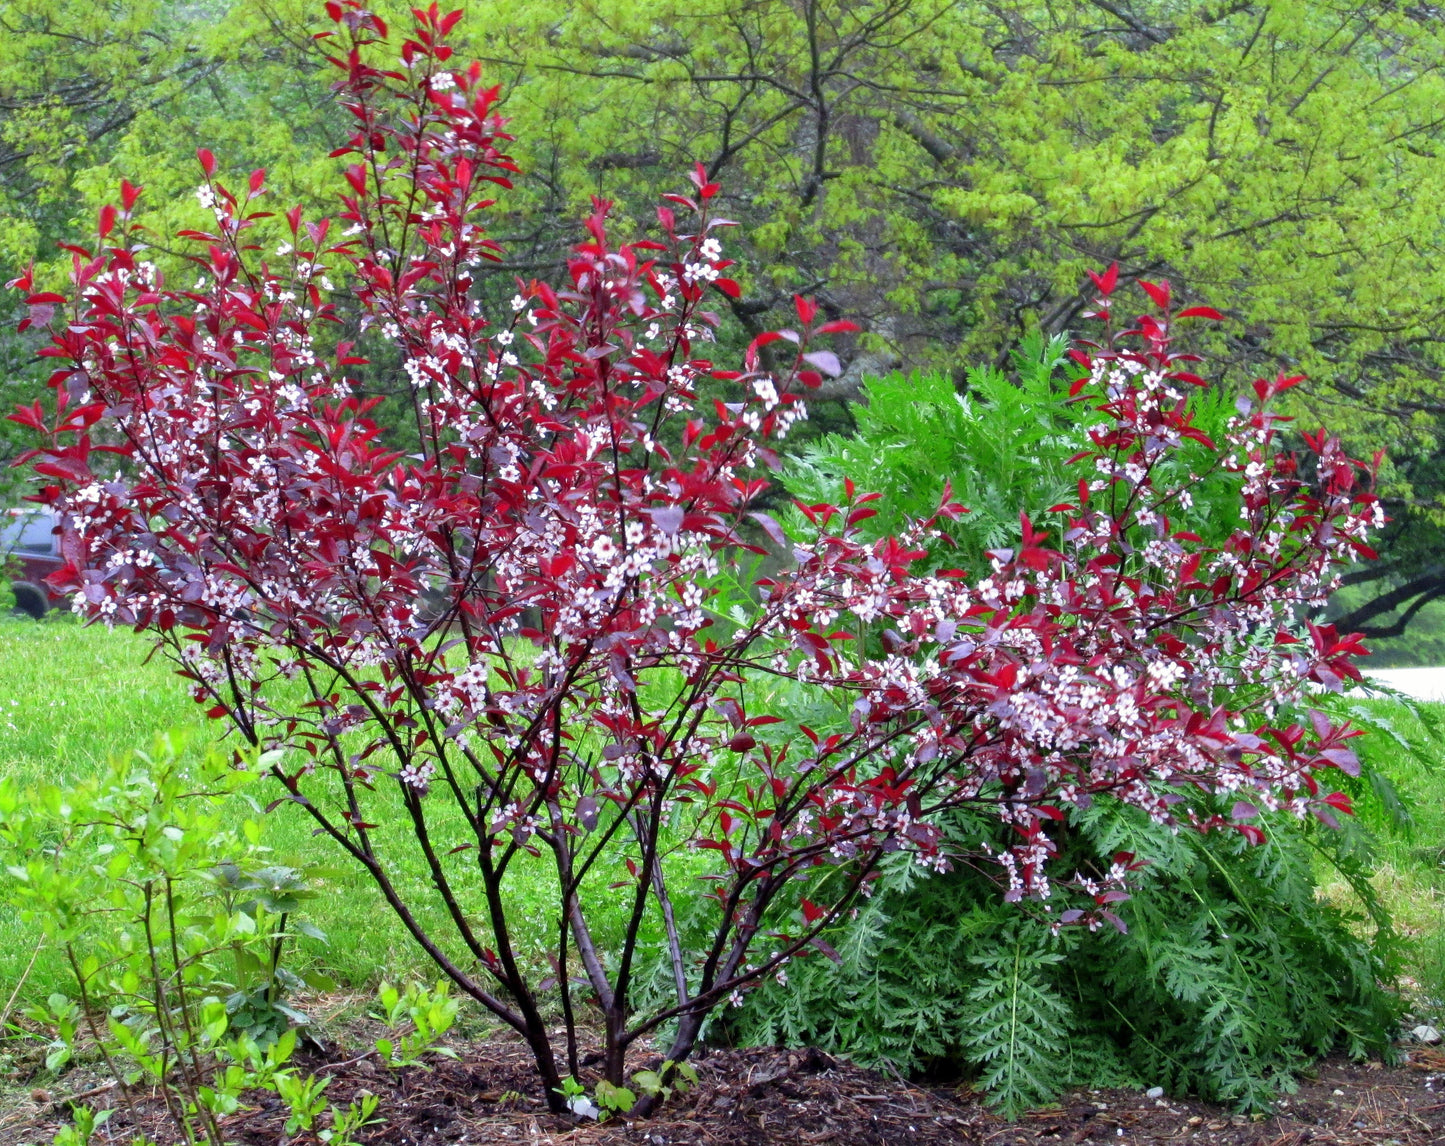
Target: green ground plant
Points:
(171, 916)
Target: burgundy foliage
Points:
(533, 641)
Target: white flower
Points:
(697, 272)
(417, 776)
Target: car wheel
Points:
(30, 599)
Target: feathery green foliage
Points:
(1232, 974)
(1017, 1022)
(1003, 443)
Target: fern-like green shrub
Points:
(1232, 973)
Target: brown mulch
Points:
(767, 1097)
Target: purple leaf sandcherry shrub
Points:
(532, 645)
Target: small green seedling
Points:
(431, 1015)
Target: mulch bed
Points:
(767, 1097)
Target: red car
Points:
(28, 537)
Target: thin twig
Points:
(10, 1002)
(80, 1096)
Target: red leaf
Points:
(1343, 759)
(1201, 312)
(771, 528)
(1159, 292)
(1106, 281)
(1340, 802)
(208, 161)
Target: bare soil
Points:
(768, 1097)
